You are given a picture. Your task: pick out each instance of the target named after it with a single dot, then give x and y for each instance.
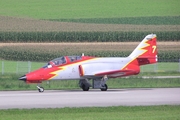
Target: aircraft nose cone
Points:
(23, 78)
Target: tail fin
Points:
(146, 51)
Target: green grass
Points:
(153, 20)
(135, 82)
(68, 9)
(19, 67)
(11, 82)
(163, 112)
(162, 67)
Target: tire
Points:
(41, 90)
(85, 88)
(105, 88)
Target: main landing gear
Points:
(84, 84)
(40, 89)
(99, 83)
(104, 88)
(103, 85)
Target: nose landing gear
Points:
(40, 89)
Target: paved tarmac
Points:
(78, 98)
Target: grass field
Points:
(59, 9)
(11, 82)
(166, 112)
(136, 15)
(19, 67)
(150, 20)
(16, 24)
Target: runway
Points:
(78, 98)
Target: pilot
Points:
(56, 62)
(73, 59)
(50, 64)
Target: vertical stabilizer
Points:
(146, 51)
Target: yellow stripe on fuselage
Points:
(71, 64)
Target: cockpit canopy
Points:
(58, 61)
(62, 60)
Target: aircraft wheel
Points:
(85, 88)
(104, 88)
(41, 89)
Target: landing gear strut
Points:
(104, 86)
(100, 83)
(40, 89)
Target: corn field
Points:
(84, 36)
(47, 51)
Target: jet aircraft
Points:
(98, 69)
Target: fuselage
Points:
(86, 67)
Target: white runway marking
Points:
(78, 98)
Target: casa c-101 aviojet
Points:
(98, 69)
